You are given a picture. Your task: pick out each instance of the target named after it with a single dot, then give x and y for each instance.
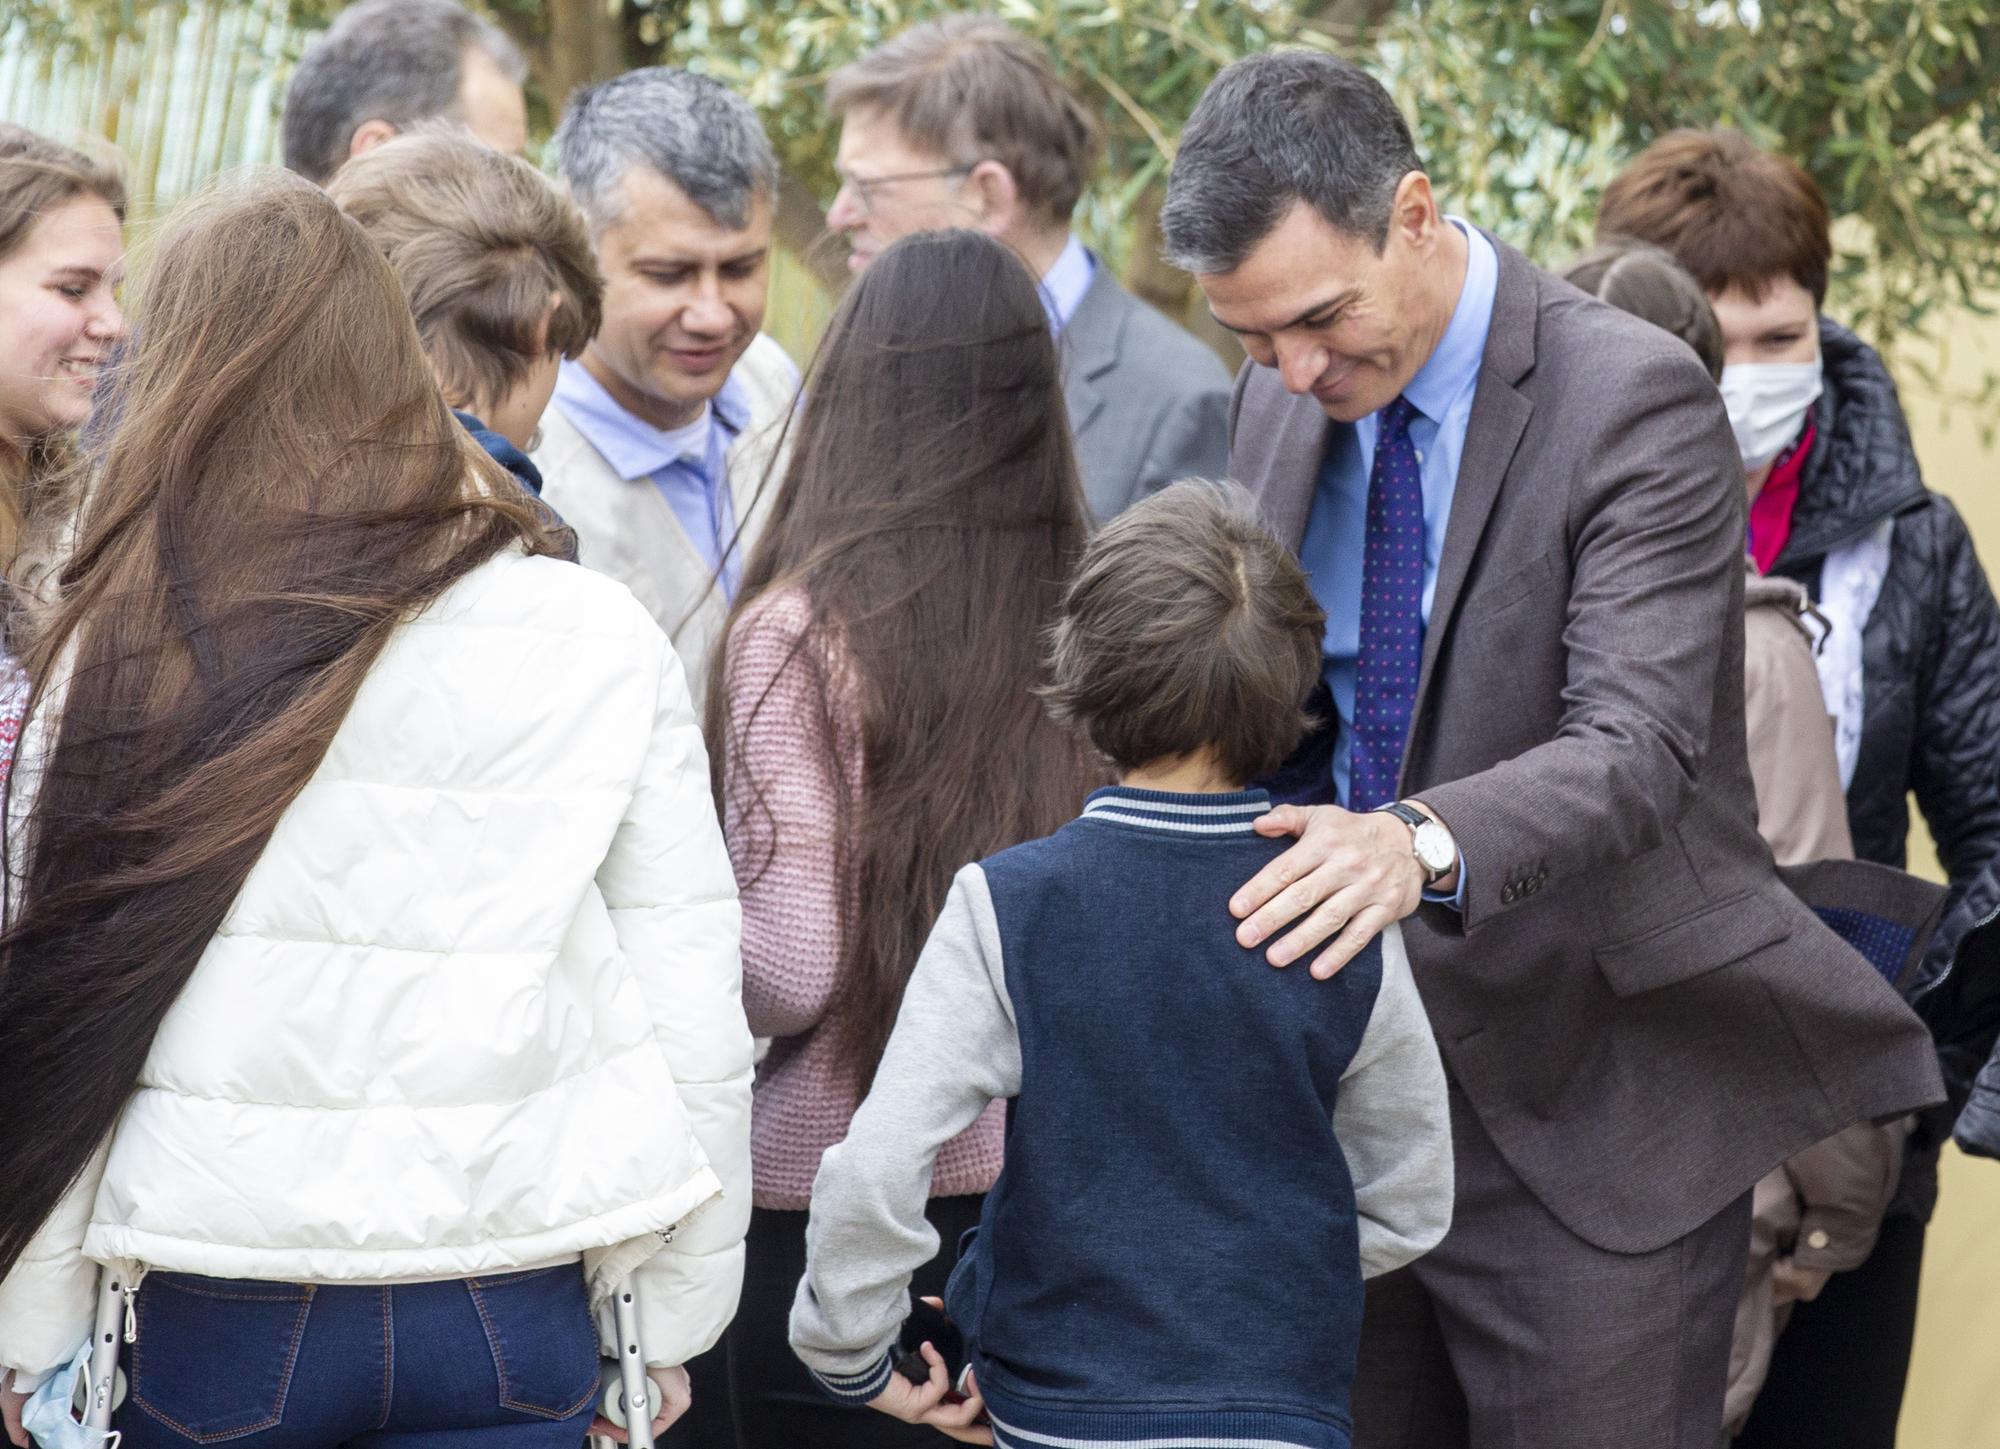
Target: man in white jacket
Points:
(662, 435)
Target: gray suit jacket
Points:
(1644, 1018)
(1148, 403)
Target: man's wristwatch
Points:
(1431, 843)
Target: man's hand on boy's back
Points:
(930, 1403)
(1348, 877)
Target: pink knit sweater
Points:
(791, 923)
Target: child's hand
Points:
(926, 1403)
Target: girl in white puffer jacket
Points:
(370, 994)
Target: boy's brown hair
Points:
(480, 241)
(1733, 214)
(972, 88)
(1188, 625)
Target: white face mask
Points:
(1767, 404)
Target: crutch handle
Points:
(107, 1385)
(638, 1397)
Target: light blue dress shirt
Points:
(690, 465)
(1067, 281)
(1337, 527)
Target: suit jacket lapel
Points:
(1276, 445)
(1089, 347)
(1500, 414)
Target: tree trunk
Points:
(569, 43)
(1348, 22)
(801, 230)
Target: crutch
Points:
(105, 1389)
(628, 1393)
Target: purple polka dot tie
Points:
(1392, 617)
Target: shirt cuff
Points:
(1456, 900)
(27, 1383)
(856, 1388)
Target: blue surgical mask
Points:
(48, 1414)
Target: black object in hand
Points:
(929, 1325)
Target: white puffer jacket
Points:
(477, 1006)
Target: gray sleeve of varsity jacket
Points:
(954, 1050)
(1394, 1124)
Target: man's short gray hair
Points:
(687, 128)
(1273, 130)
(398, 61)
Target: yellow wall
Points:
(1954, 1392)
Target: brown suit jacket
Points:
(1644, 1018)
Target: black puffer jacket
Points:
(1965, 1008)
(1930, 668)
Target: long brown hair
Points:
(38, 175)
(930, 512)
(278, 488)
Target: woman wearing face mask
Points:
(60, 260)
(1910, 669)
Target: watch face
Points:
(1436, 851)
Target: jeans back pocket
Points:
(213, 1357)
(544, 1342)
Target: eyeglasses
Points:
(864, 188)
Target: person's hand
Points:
(671, 1391)
(1792, 1284)
(1348, 877)
(926, 1403)
(11, 1404)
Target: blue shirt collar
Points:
(632, 446)
(1453, 367)
(1067, 282)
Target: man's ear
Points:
(368, 135)
(997, 197)
(1413, 215)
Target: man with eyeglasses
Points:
(962, 122)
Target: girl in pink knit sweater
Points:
(874, 726)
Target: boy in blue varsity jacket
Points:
(1205, 1156)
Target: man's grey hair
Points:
(687, 128)
(1273, 130)
(398, 61)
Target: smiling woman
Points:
(61, 255)
(60, 260)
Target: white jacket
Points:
(629, 531)
(477, 1006)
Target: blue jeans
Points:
(501, 1362)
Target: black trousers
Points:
(751, 1392)
(1837, 1373)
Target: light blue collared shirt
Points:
(1067, 281)
(1336, 534)
(690, 465)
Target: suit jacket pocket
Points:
(1487, 599)
(1725, 932)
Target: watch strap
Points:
(1416, 820)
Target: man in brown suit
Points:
(1523, 513)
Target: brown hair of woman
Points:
(278, 488)
(931, 513)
